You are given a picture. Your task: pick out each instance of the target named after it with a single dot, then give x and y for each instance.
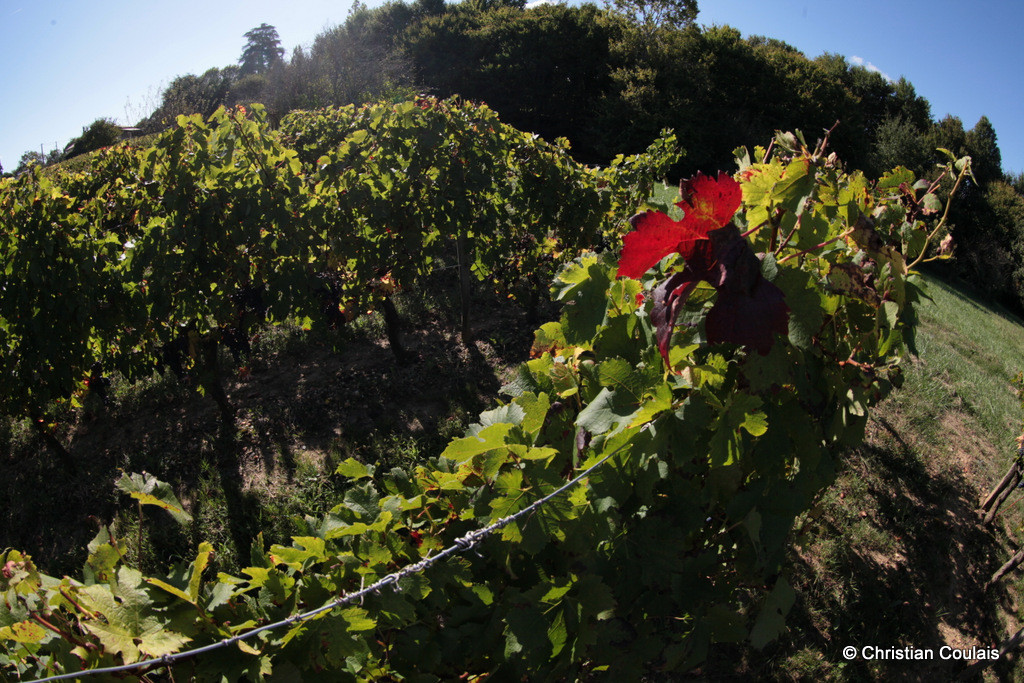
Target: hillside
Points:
(608, 81)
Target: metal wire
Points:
(461, 544)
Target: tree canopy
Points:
(262, 50)
(655, 14)
(102, 132)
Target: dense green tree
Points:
(1007, 205)
(262, 50)
(250, 88)
(356, 61)
(947, 133)
(651, 15)
(985, 218)
(295, 86)
(191, 94)
(990, 241)
(98, 134)
(486, 5)
(443, 51)
(898, 142)
(43, 159)
(907, 104)
(1017, 181)
(429, 7)
(543, 69)
(28, 159)
(986, 160)
(801, 94)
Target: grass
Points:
(970, 351)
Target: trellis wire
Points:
(461, 544)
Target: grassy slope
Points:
(894, 554)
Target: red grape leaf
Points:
(669, 298)
(654, 237)
(750, 319)
(707, 204)
(749, 310)
(710, 202)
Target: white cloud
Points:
(860, 61)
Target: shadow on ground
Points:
(893, 557)
(299, 409)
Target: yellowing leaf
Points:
(23, 632)
(755, 423)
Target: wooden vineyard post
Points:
(393, 326)
(462, 250)
(211, 381)
(55, 446)
(1003, 489)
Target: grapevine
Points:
(718, 429)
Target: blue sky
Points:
(69, 62)
(964, 57)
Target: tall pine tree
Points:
(262, 50)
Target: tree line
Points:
(609, 79)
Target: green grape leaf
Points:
(894, 178)
(487, 439)
(535, 410)
(654, 404)
(352, 469)
(129, 626)
(727, 625)
(610, 412)
(364, 501)
(149, 490)
(526, 631)
(511, 413)
(771, 620)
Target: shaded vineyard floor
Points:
(303, 403)
(893, 555)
